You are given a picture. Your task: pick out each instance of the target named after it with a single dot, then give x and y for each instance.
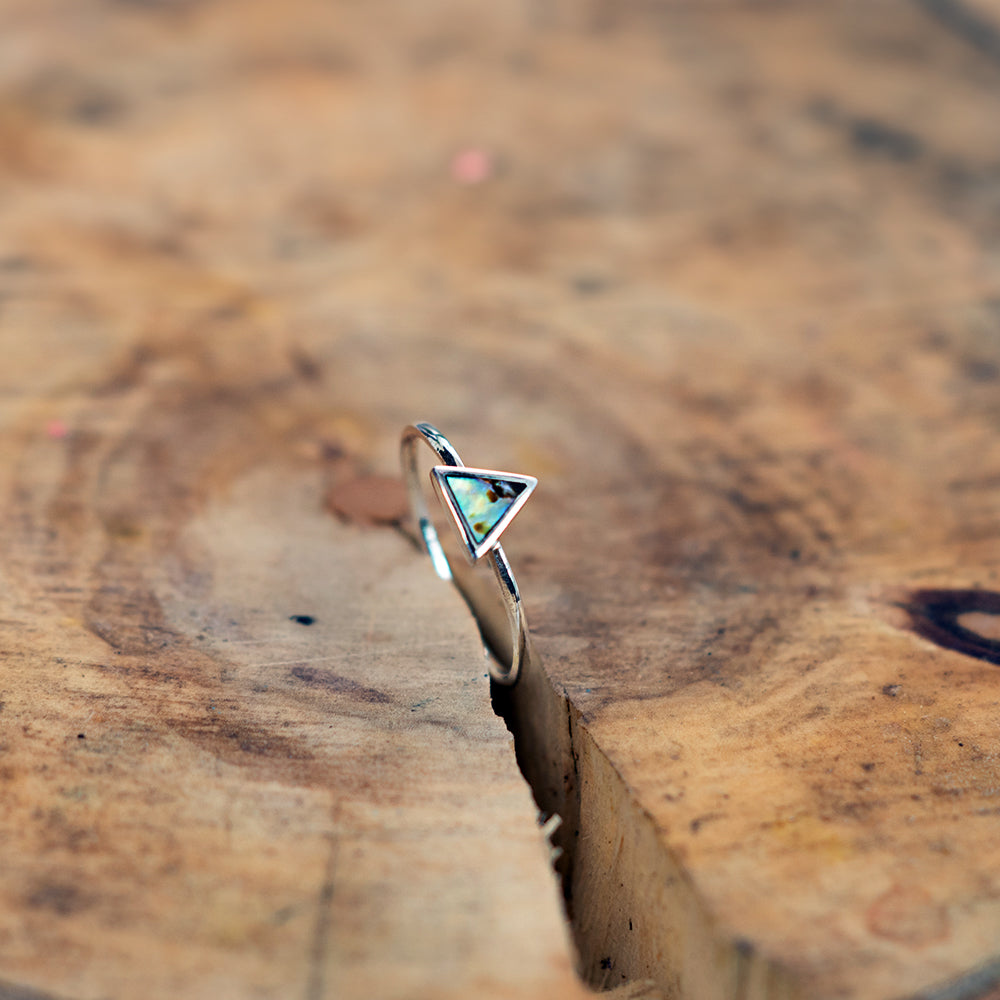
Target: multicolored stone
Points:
(482, 502)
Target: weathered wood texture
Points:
(795, 445)
(729, 289)
(204, 797)
(203, 793)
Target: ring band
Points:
(482, 503)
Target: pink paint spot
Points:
(471, 166)
(56, 429)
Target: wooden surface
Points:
(203, 797)
(724, 279)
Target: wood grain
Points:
(801, 452)
(727, 284)
(246, 750)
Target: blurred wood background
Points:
(726, 278)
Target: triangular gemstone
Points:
(482, 501)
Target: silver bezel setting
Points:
(474, 551)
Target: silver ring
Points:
(482, 503)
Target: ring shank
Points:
(446, 454)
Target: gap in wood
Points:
(636, 922)
(634, 916)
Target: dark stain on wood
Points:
(971, 26)
(14, 991)
(980, 370)
(318, 677)
(57, 897)
(935, 614)
(306, 366)
(238, 741)
(869, 135)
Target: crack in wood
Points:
(316, 983)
